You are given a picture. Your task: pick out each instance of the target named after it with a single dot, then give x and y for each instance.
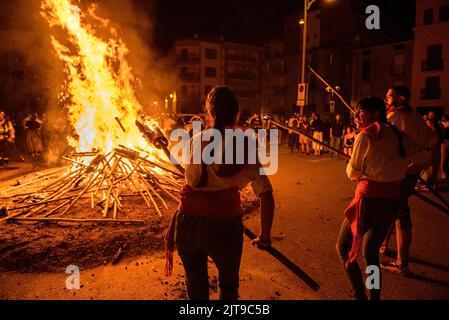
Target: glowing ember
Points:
(99, 84)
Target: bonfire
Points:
(113, 160)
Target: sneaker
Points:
(394, 267)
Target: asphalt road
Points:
(311, 194)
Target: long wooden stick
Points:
(79, 220)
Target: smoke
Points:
(133, 20)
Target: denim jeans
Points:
(379, 215)
(197, 239)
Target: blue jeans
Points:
(197, 239)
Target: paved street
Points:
(311, 194)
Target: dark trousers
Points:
(379, 215)
(221, 239)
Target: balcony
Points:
(244, 94)
(188, 59)
(432, 65)
(431, 94)
(189, 76)
(241, 58)
(242, 76)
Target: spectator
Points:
(348, 140)
(317, 126)
(304, 126)
(7, 136)
(33, 135)
(336, 132)
(444, 147)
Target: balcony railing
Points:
(241, 58)
(188, 76)
(431, 93)
(244, 94)
(432, 65)
(188, 59)
(242, 76)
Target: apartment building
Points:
(375, 69)
(430, 75)
(202, 64)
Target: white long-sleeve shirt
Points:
(378, 159)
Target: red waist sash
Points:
(355, 212)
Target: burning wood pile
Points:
(99, 88)
(105, 180)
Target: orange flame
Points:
(99, 80)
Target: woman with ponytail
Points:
(378, 164)
(209, 218)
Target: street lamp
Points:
(307, 5)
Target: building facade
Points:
(375, 69)
(430, 77)
(202, 64)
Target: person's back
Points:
(380, 162)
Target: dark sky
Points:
(249, 21)
(237, 20)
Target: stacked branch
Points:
(105, 180)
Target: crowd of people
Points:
(21, 136)
(334, 133)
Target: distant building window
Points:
(184, 53)
(18, 75)
(367, 52)
(444, 13)
(432, 89)
(211, 72)
(428, 16)
(399, 47)
(184, 91)
(211, 53)
(366, 69)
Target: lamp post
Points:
(307, 5)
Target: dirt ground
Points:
(34, 247)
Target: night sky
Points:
(248, 21)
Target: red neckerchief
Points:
(373, 130)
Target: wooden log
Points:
(78, 220)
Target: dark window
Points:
(211, 72)
(211, 53)
(366, 69)
(399, 47)
(434, 51)
(428, 16)
(444, 13)
(184, 53)
(434, 58)
(432, 82)
(184, 91)
(432, 89)
(18, 75)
